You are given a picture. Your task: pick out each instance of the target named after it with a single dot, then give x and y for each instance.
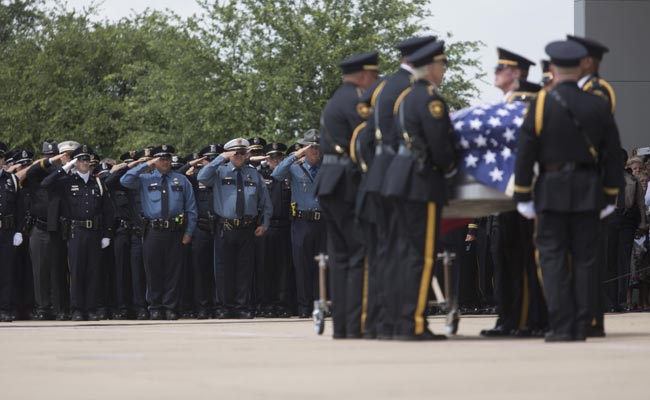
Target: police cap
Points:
(164, 150)
(566, 53)
(50, 148)
(360, 62)
(68, 146)
(411, 45)
(594, 48)
(434, 51)
(236, 144)
(83, 153)
(275, 148)
(256, 143)
(509, 59)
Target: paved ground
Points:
(275, 359)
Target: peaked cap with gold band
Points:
(509, 59)
(594, 48)
(236, 144)
(411, 45)
(360, 62)
(164, 150)
(428, 54)
(275, 148)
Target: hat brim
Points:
(308, 143)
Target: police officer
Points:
(590, 80)
(10, 233)
(547, 75)
(239, 193)
(336, 187)
(418, 179)
(274, 256)
(169, 210)
(87, 211)
(308, 234)
(573, 137)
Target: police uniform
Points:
(112, 292)
(87, 213)
(239, 195)
(417, 178)
(274, 253)
(593, 83)
(308, 234)
(336, 187)
(169, 211)
(573, 137)
(10, 227)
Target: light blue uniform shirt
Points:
(181, 195)
(302, 183)
(223, 180)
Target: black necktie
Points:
(164, 198)
(240, 195)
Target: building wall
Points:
(624, 27)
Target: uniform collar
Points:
(583, 81)
(506, 97)
(85, 176)
(406, 68)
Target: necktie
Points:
(313, 170)
(164, 198)
(240, 195)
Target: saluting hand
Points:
(118, 167)
(227, 154)
(194, 163)
(301, 153)
(153, 161)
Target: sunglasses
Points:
(240, 153)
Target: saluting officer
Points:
(169, 210)
(87, 213)
(239, 194)
(573, 136)
(336, 187)
(418, 179)
(308, 234)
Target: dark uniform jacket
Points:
(601, 88)
(126, 201)
(570, 180)
(280, 194)
(42, 206)
(338, 121)
(10, 200)
(417, 173)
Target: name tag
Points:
(227, 181)
(177, 188)
(154, 186)
(74, 188)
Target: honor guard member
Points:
(239, 194)
(87, 212)
(169, 211)
(573, 137)
(336, 187)
(204, 298)
(547, 75)
(590, 80)
(419, 181)
(274, 265)
(308, 234)
(11, 226)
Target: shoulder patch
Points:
(437, 109)
(363, 110)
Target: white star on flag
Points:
(464, 143)
(502, 112)
(509, 135)
(494, 143)
(494, 122)
(470, 161)
(475, 124)
(480, 141)
(506, 153)
(490, 157)
(511, 106)
(518, 121)
(459, 125)
(496, 174)
(478, 111)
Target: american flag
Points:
(487, 136)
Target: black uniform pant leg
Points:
(40, 250)
(60, 270)
(222, 272)
(244, 267)
(154, 251)
(277, 259)
(138, 276)
(506, 254)
(382, 251)
(202, 269)
(94, 272)
(259, 299)
(584, 260)
(122, 262)
(485, 263)
(391, 266)
(553, 240)
(77, 256)
(534, 315)
(6, 269)
(371, 282)
(173, 265)
(420, 222)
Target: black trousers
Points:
(309, 238)
(371, 282)
(533, 314)
(138, 276)
(419, 222)
(568, 253)
(234, 255)
(163, 263)
(620, 238)
(122, 286)
(84, 255)
(6, 269)
(274, 266)
(346, 252)
(482, 246)
(50, 274)
(389, 266)
(202, 271)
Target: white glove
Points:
(18, 239)
(68, 166)
(106, 242)
(526, 209)
(607, 210)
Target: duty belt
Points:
(308, 215)
(40, 223)
(126, 224)
(206, 224)
(7, 222)
(279, 222)
(568, 167)
(164, 224)
(335, 159)
(85, 223)
(237, 223)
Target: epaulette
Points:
(600, 87)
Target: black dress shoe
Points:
(93, 316)
(558, 337)
(188, 315)
(171, 315)
(222, 314)
(157, 315)
(498, 331)
(78, 316)
(202, 314)
(426, 336)
(62, 316)
(304, 315)
(142, 315)
(101, 315)
(596, 331)
(5, 317)
(244, 314)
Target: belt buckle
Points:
(236, 222)
(89, 224)
(316, 215)
(165, 224)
